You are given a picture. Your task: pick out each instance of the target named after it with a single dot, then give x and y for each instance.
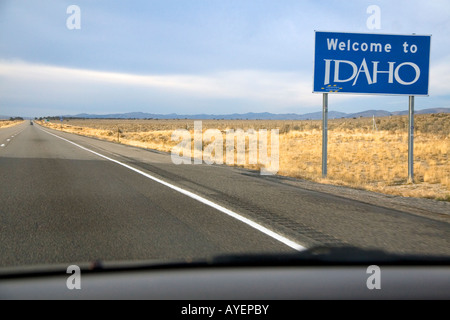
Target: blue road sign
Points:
(371, 63)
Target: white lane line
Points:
(2, 145)
(207, 202)
(8, 140)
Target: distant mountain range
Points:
(256, 116)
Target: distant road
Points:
(66, 198)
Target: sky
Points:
(195, 56)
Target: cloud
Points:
(50, 83)
(71, 90)
(440, 77)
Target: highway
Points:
(65, 198)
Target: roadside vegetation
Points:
(362, 153)
(10, 123)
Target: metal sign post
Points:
(411, 140)
(324, 134)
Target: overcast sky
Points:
(195, 56)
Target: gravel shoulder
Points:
(429, 208)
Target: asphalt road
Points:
(79, 199)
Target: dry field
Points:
(359, 155)
(8, 123)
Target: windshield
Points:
(175, 131)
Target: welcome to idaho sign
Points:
(371, 63)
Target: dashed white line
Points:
(194, 196)
(2, 145)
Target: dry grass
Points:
(358, 156)
(8, 123)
